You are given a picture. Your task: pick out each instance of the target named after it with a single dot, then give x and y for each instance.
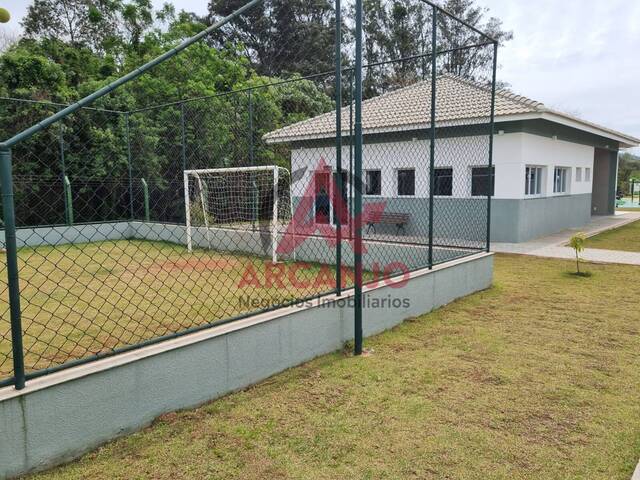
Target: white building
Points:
(552, 170)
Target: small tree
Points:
(577, 243)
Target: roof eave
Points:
(625, 141)
(374, 131)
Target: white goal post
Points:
(252, 199)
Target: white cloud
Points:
(575, 55)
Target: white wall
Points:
(550, 153)
(510, 171)
(513, 152)
(457, 153)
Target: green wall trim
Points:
(539, 127)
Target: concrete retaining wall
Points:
(62, 234)
(516, 221)
(61, 416)
(313, 249)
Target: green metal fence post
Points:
(68, 201)
(6, 183)
(145, 192)
(338, 196)
(357, 214)
(129, 165)
(252, 160)
(491, 134)
(63, 171)
(351, 153)
(432, 146)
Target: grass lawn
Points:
(625, 238)
(536, 378)
(85, 299)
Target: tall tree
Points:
(399, 32)
(104, 26)
(629, 168)
(471, 62)
(7, 39)
(281, 36)
(79, 22)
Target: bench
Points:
(397, 219)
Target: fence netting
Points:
(111, 258)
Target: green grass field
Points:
(536, 378)
(86, 299)
(625, 238)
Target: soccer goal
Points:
(256, 200)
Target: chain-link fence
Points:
(135, 220)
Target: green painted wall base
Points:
(516, 221)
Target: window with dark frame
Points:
(373, 182)
(406, 182)
(443, 182)
(483, 181)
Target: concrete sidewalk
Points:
(554, 246)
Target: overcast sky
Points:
(579, 56)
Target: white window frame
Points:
(366, 178)
(578, 174)
(539, 181)
(561, 180)
(587, 174)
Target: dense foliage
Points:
(74, 47)
(628, 169)
(62, 61)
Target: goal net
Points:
(255, 200)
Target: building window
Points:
(560, 180)
(322, 198)
(587, 174)
(406, 183)
(578, 174)
(443, 182)
(373, 182)
(483, 181)
(533, 181)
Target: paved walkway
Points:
(554, 246)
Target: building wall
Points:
(515, 221)
(605, 182)
(512, 153)
(516, 217)
(549, 153)
(389, 157)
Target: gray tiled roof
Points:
(459, 101)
